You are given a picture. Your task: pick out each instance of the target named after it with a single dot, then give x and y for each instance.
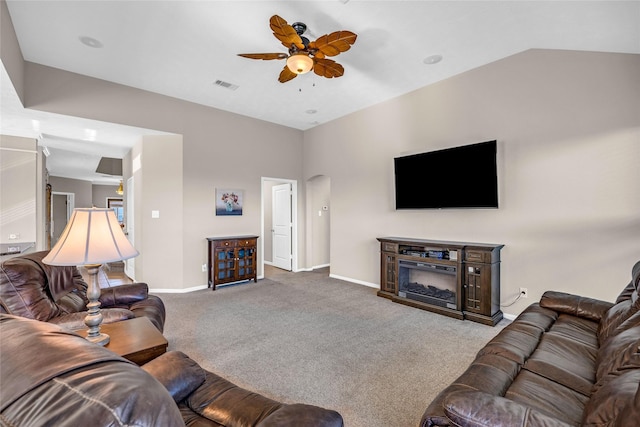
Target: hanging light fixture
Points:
(120, 190)
(300, 63)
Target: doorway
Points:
(62, 206)
(267, 221)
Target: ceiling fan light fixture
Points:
(299, 63)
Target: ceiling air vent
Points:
(227, 85)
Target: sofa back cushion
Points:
(60, 279)
(628, 290)
(622, 310)
(23, 290)
(619, 353)
(613, 403)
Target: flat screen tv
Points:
(459, 177)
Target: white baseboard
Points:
(359, 282)
(509, 316)
(176, 291)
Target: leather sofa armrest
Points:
(300, 414)
(479, 409)
(588, 308)
(124, 294)
(179, 374)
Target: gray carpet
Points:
(304, 337)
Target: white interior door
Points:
(282, 226)
(130, 264)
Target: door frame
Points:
(71, 205)
(294, 220)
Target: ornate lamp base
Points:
(94, 317)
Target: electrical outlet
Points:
(524, 292)
(204, 268)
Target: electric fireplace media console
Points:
(457, 279)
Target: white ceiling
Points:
(180, 48)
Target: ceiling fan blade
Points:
(334, 43)
(327, 68)
(286, 74)
(265, 56)
(285, 32)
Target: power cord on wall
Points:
(515, 300)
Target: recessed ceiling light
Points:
(311, 111)
(91, 42)
(90, 134)
(433, 59)
(226, 85)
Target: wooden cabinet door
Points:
(388, 276)
(477, 285)
(246, 257)
(225, 265)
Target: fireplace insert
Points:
(428, 282)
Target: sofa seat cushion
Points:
(577, 329)
(489, 373)
(564, 361)
(548, 397)
(535, 315)
(516, 343)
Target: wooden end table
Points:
(135, 339)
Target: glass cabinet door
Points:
(226, 263)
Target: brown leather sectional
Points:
(35, 290)
(53, 377)
(565, 361)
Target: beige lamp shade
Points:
(300, 63)
(92, 236)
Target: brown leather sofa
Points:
(33, 289)
(565, 361)
(53, 377)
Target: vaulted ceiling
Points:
(182, 48)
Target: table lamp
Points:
(91, 238)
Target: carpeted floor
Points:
(304, 337)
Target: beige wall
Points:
(568, 131)
(220, 149)
(158, 199)
(82, 190)
(18, 189)
(319, 220)
(12, 59)
(567, 124)
(100, 193)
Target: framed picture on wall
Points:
(229, 202)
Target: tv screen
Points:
(459, 177)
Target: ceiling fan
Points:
(304, 55)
